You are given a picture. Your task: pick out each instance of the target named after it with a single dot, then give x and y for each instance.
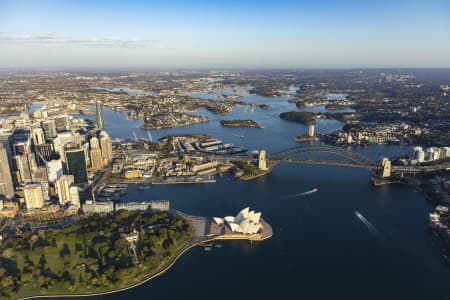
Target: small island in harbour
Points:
(240, 123)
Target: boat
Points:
(143, 188)
(309, 192)
(360, 216)
(208, 248)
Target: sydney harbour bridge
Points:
(340, 156)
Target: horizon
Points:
(256, 68)
(202, 35)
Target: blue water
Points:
(320, 248)
(282, 133)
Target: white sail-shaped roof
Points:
(256, 217)
(218, 220)
(234, 227)
(229, 219)
(245, 225)
(243, 214)
(246, 221)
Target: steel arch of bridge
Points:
(355, 158)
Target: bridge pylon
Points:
(262, 161)
(386, 165)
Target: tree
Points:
(121, 244)
(42, 261)
(65, 251)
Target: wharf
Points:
(180, 180)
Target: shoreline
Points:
(159, 273)
(255, 176)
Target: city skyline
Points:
(285, 34)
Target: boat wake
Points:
(299, 194)
(369, 226)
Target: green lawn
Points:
(91, 256)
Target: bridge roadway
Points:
(353, 159)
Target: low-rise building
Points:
(98, 207)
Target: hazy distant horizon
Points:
(113, 68)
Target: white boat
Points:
(143, 188)
(309, 192)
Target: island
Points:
(303, 117)
(264, 106)
(108, 253)
(240, 123)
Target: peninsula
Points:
(303, 117)
(305, 138)
(109, 253)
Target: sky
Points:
(205, 34)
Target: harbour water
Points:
(320, 248)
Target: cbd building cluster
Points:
(46, 161)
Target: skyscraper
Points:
(61, 140)
(21, 141)
(106, 146)
(99, 115)
(74, 196)
(49, 128)
(63, 188)
(6, 183)
(95, 153)
(39, 175)
(4, 140)
(37, 136)
(94, 143)
(44, 153)
(96, 158)
(34, 197)
(54, 169)
(22, 168)
(76, 164)
(62, 123)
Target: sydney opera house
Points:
(247, 221)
